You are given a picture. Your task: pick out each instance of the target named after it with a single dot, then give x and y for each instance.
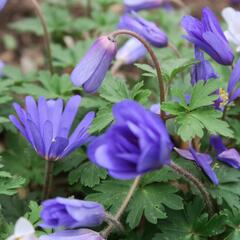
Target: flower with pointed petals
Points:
(131, 51)
(91, 70)
(136, 143)
(2, 65)
(228, 156)
(208, 36)
(46, 126)
(204, 161)
(231, 16)
(2, 4)
(202, 70)
(23, 230)
(82, 234)
(137, 5)
(71, 213)
(148, 30)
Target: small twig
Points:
(174, 49)
(46, 33)
(154, 59)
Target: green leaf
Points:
(190, 224)
(172, 108)
(192, 124)
(228, 191)
(150, 201)
(202, 94)
(102, 120)
(87, 174)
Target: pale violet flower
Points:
(231, 16)
(23, 230)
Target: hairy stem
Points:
(154, 59)
(105, 233)
(46, 33)
(47, 188)
(197, 183)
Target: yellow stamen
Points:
(224, 96)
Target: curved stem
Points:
(174, 49)
(154, 59)
(47, 188)
(197, 183)
(124, 205)
(46, 33)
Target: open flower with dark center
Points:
(148, 30)
(138, 142)
(71, 213)
(46, 126)
(91, 70)
(82, 234)
(208, 36)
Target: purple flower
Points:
(71, 213)
(202, 70)
(233, 90)
(208, 36)
(131, 51)
(136, 143)
(82, 234)
(2, 65)
(46, 126)
(228, 156)
(204, 161)
(137, 5)
(148, 30)
(2, 4)
(92, 69)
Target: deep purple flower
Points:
(46, 126)
(92, 69)
(2, 4)
(228, 156)
(234, 1)
(137, 5)
(208, 36)
(82, 234)
(71, 213)
(204, 161)
(131, 51)
(136, 143)
(2, 65)
(202, 70)
(148, 30)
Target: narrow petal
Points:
(217, 143)
(68, 116)
(57, 147)
(32, 109)
(230, 157)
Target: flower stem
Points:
(197, 183)
(47, 188)
(154, 59)
(46, 33)
(89, 8)
(105, 233)
(179, 3)
(174, 49)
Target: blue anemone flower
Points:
(46, 126)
